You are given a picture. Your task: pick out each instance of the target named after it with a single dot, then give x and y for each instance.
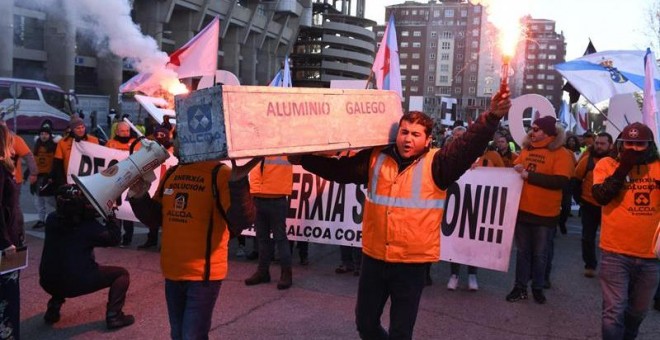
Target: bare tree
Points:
(652, 30)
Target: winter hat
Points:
(547, 124)
(46, 128)
(75, 122)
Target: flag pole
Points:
(602, 113)
(371, 75)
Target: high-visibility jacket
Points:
(630, 219)
(64, 146)
(403, 211)
(117, 145)
(188, 207)
(272, 178)
(584, 172)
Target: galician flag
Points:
(650, 109)
(601, 76)
(386, 66)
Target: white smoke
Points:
(110, 24)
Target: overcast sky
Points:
(611, 24)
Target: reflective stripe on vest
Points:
(415, 201)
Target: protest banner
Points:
(480, 218)
(88, 159)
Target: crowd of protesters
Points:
(599, 173)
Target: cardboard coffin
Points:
(246, 121)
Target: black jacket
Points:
(68, 252)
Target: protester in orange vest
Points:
(627, 188)
(43, 191)
(196, 217)
(502, 146)
(78, 133)
(270, 184)
(545, 167)
(590, 209)
(403, 211)
(122, 141)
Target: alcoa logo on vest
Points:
(200, 124)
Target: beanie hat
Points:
(547, 124)
(75, 122)
(46, 128)
(636, 132)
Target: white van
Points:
(38, 103)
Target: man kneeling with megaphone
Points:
(68, 268)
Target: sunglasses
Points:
(631, 143)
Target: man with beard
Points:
(503, 148)
(589, 208)
(627, 188)
(122, 141)
(78, 133)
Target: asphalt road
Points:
(320, 305)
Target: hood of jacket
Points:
(552, 143)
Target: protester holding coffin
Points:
(627, 188)
(545, 167)
(195, 203)
(403, 210)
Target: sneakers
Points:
(39, 225)
(517, 294)
(590, 273)
(257, 278)
(472, 282)
(241, 251)
(119, 320)
(539, 297)
(52, 315)
(453, 282)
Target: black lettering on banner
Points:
(85, 168)
(291, 212)
(469, 208)
(358, 210)
(317, 207)
(305, 193)
(340, 203)
(448, 226)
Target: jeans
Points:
(45, 205)
(531, 254)
(551, 253)
(351, 257)
(128, 231)
(590, 221)
(271, 217)
(190, 307)
(379, 280)
(628, 285)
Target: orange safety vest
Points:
(403, 211)
(272, 178)
(117, 145)
(188, 207)
(64, 146)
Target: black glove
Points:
(627, 159)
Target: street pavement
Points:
(320, 305)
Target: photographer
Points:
(68, 268)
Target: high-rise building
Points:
(449, 50)
(543, 49)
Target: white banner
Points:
(321, 211)
(88, 159)
(480, 218)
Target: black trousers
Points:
(117, 278)
(590, 222)
(379, 280)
